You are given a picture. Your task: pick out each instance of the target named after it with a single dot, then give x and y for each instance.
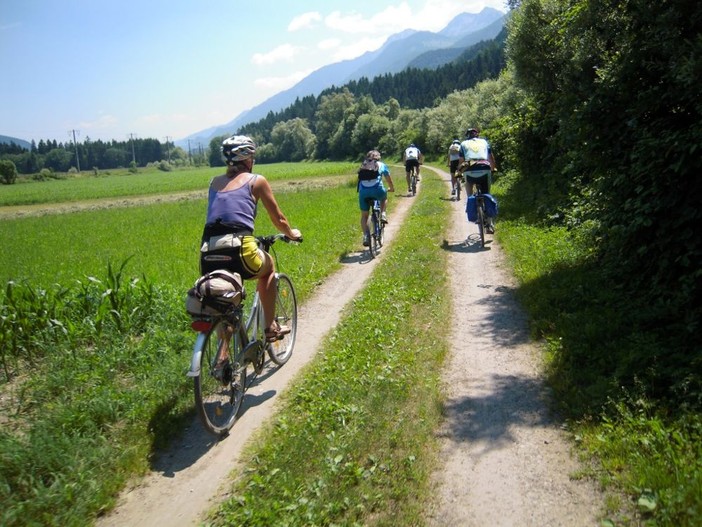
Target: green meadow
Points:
(150, 181)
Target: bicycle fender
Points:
(197, 353)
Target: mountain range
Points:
(409, 48)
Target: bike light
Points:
(201, 325)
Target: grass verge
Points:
(605, 359)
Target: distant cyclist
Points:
(477, 164)
(412, 157)
(370, 186)
(454, 155)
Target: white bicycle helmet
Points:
(238, 148)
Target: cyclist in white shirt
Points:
(412, 157)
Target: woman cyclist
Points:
(371, 187)
(231, 210)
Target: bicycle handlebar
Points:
(268, 241)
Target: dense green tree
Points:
(610, 131)
(58, 160)
(329, 114)
(8, 172)
(293, 140)
(369, 132)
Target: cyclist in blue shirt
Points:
(370, 186)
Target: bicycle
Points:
(413, 180)
(481, 214)
(459, 183)
(376, 228)
(230, 344)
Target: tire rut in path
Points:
(192, 476)
(504, 459)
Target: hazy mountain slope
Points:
(395, 55)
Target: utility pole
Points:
(131, 136)
(168, 150)
(75, 145)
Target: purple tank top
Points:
(236, 206)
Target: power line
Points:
(168, 149)
(131, 137)
(75, 145)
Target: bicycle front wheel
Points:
(220, 387)
(280, 351)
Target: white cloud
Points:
(386, 22)
(102, 122)
(358, 48)
(281, 83)
(283, 52)
(304, 21)
(329, 43)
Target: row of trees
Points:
(59, 157)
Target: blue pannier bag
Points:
(490, 206)
(472, 208)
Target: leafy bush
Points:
(8, 172)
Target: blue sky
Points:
(167, 69)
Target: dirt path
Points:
(505, 459)
(188, 479)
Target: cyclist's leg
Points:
(262, 267)
(382, 196)
(363, 204)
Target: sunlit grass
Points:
(150, 182)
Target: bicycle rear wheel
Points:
(459, 182)
(481, 223)
(374, 241)
(220, 386)
(280, 351)
(414, 181)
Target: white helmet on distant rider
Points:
(238, 148)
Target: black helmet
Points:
(472, 132)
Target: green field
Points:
(162, 239)
(116, 184)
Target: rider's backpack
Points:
(455, 148)
(215, 293)
(369, 170)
